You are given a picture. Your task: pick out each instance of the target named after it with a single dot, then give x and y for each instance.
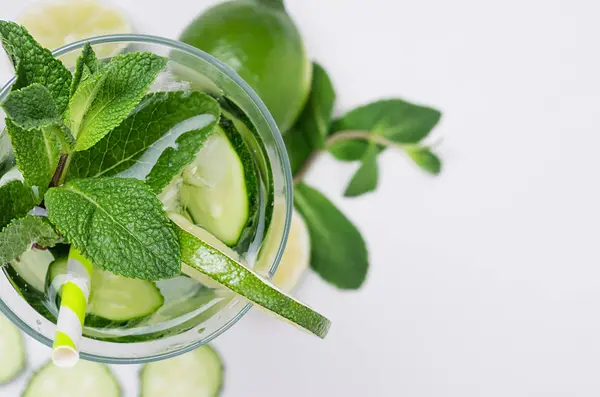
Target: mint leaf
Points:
(365, 179)
(86, 65)
(350, 149)
(425, 159)
(316, 116)
(156, 115)
(298, 148)
(20, 235)
(35, 64)
(338, 251)
(37, 153)
(178, 150)
(395, 119)
(104, 100)
(32, 107)
(310, 131)
(118, 224)
(16, 200)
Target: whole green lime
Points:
(258, 40)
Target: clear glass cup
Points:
(209, 75)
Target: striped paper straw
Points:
(75, 286)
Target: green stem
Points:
(349, 136)
(57, 178)
(65, 158)
(363, 136)
(356, 136)
(272, 3)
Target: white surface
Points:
(483, 282)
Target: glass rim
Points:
(281, 153)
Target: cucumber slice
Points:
(198, 373)
(244, 125)
(87, 379)
(32, 266)
(219, 189)
(28, 274)
(203, 259)
(12, 351)
(115, 300)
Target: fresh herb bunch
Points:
(338, 251)
(68, 130)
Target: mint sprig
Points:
(339, 253)
(101, 102)
(390, 123)
(118, 224)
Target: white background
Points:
(484, 281)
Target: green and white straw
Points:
(75, 285)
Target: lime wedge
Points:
(296, 257)
(204, 259)
(55, 24)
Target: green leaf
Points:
(394, 119)
(35, 64)
(182, 152)
(104, 100)
(118, 224)
(156, 115)
(425, 159)
(32, 107)
(298, 148)
(20, 235)
(338, 251)
(365, 179)
(37, 153)
(16, 200)
(316, 116)
(349, 150)
(86, 66)
(310, 131)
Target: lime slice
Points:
(296, 257)
(204, 259)
(55, 24)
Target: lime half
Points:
(260, 41)
(55, 24)
(205, 260)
